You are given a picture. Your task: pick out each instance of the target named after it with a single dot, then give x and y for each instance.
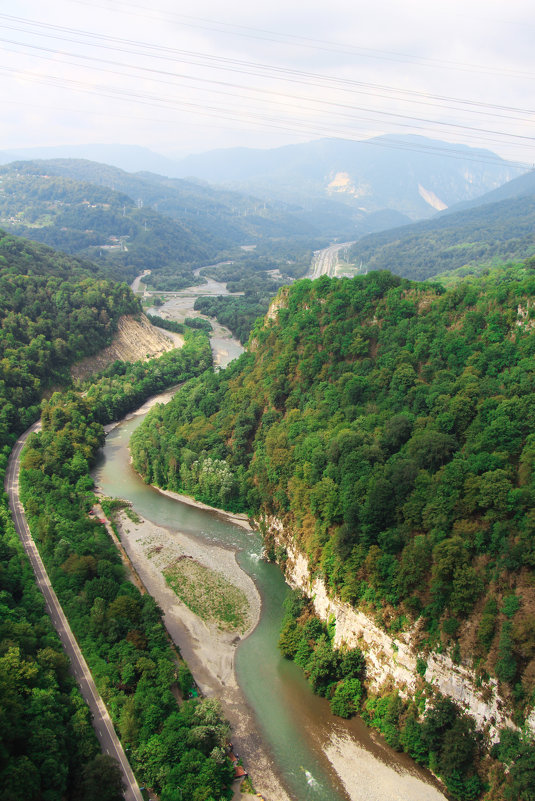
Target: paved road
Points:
(136, 282)
(325, 261)
(101, 720)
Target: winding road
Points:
(134, 286)
(325, 261)
(101, 720)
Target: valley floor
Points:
(208, 650)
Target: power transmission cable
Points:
(283, 102)
(381, 113)
(259, 119)
(338, 109)
(159, 52)
(308, 42)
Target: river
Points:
(316, 756)
(180, 304)
(296, 725)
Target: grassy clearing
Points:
(208, 594)
(134, 517)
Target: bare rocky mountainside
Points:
(136, 340)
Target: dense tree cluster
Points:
(168, 325)
(46, 735)
(334, 674)
(251, 272)
(52, 313)
(390, 425)
(177, 751)
(238, 314)
(490, 234)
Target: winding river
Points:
(296, 725)
(316, 756)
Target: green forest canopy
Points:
(490, 234)
(53, 310)
(390, 425)
(96, 222)
(120, 631)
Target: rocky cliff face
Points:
(392, 661)
(136, 340)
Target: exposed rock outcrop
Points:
(136, 340)
(391, 660)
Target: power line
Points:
(246, 67)
(202, 23)
(348, 113)
(381, 113)
(262, 120)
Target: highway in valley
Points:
(134, 286)
(101, 720)
(326, 261)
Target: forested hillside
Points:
(235, 217)
(47, 742)
(389, 424)
(120, 631)
(54, 310)
(522, 186)
(97, 222)
(410, 174)
(211, 214)
(489, 234)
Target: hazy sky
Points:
(187, 77)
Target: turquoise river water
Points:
(295, 724)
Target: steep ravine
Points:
(393, 660)
(286, 735)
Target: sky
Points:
(190, 77)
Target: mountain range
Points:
(410, 175)
(495, 227)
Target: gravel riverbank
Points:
(208, 649)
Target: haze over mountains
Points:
(134, 222)
(408, 175)
(518, 187)
(494, 227)
(302, 196)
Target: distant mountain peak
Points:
(131, 158)
(412, 174)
